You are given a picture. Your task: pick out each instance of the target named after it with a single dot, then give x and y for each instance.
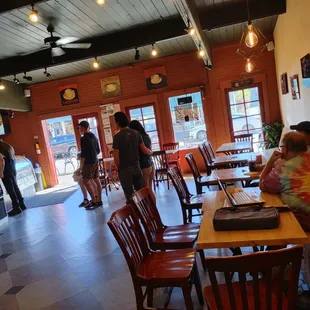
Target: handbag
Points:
(245, 218)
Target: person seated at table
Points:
(290, 178)
(303, 128)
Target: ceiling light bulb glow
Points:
(96, 64)
(201, 53)
(249, 65)
(154, 52)
(191, 31)
(33, 16)
(100, 2)
(2, 87)
(251, 38)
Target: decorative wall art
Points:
(305, 70)
(295, 87)
(69, 94)
(156, 78)
(111, 86)
(284, 86)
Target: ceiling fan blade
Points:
(77, 45)
(66, 40)
(32, 52)
(57, 51)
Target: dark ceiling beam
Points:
(189, 13)
(236, 12)
(107, 44)
(9, 5)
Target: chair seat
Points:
(176, 237)
(196, 200)
(208, 294)
(172, 265)
(207, 180)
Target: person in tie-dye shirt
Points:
(290, 178)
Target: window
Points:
(246, 113)
(146, 116)
(188, 120)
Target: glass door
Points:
(146, 116)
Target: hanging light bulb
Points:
(191, 30)
(249, 65)
(251, 38)
(2, 87)
(154, 51)
(96, 63)
(201, 51)
(100, 2)
(33, 16)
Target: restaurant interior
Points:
(216, 84)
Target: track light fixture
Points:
(96, 63)
(2, 87)
(137, 55)
(47, 74)
(16, 80)
(201, 51)
(190, 29)
(33, 16)
(154, 51)
(28, 78)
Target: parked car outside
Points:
(65, 144)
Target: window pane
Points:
(154, 137)
(155, 147)
(135, 114)
(235, 97)
(252, 108)
(255, 122)
(188, 120)
(239, 124)
(150, 124)
(237, 110)
(251, 94)
(148, 112)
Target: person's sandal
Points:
(84, 203)
(90, 205)
(99, 204)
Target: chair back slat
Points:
(244, 297)
(128, 234)
(244, 138)
(209, 150)
(172, 146)
(160, 160)
(179, 183)
(193, 165)
(230, 290)
(147, 211)
(261, 262)
(205, 157)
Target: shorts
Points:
(148, 174)
(90, 171)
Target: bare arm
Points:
(145, 150)
(116, 157)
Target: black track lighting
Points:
(28, 78)
(16, 80)
(137, 55)
(47, 74)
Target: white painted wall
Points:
(292, 41)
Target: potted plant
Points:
(273, 134)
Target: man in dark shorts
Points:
(89, 167)
(9, 179)
(126, 145)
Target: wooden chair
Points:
(209, 150)
(173, 159)
(260, 293)
(200, 180)
(161, 167)
(189, 202)
(159, 236)
(153, 269)
(244, 138)
(103, 177)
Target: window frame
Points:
(261, 106)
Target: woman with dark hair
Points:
(146, 162)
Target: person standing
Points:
(146, 162)
(9, 179)
(126, 145)
(89, 167)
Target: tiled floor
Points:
(61, 257)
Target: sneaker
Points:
(15, 212)
(84, 203)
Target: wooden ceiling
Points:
(114, 30)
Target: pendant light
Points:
(33, 16)
(2, 87)
(154, 51)
(190, 29)
(249, 65)
(251, 38)
(201, 51)
(96, 63)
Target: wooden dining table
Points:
(234, 147)
(233, 159)
(288, 232)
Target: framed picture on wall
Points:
(69, 94)
(295, 87)
(284, 86)
(156, 78)
(111, 86)
(305, 70)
